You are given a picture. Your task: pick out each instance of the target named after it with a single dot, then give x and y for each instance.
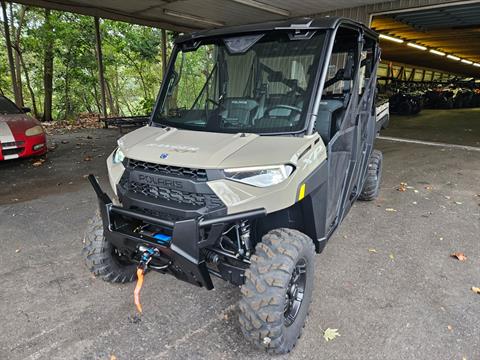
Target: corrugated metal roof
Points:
(218, 12)
(464, 15)
(453, 29)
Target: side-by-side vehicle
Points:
(260, 142)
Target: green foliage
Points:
(132, 61)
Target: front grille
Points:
(11, 151)
(192, 198)
(199, 175)
(12, 144)
(197, 200)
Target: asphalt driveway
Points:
(386, 280)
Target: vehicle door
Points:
(352, 134)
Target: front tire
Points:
(102, 258)
(278, 290)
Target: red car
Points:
(20, 134)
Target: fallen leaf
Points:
(38, 162)
(87, 158)
(330, 334)
(459, 255)
(476, 289)
(390, 210)
(402, 187)
(372, 251)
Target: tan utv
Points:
(260, 141)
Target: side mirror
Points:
(26, 109)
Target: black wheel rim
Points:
(120, 258)
(295, 292)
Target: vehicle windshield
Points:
(260, 83)
(7, 107)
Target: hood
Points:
(18, 123)
(207, 150)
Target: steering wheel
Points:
(286, 107)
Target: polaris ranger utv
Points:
(260, 141)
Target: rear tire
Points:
(278, 290)
(374, 177)
(101, 257)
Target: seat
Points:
(326, 124)
(239, 110)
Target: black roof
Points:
(300, 23)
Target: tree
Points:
(16, 32)
(51, 57)
(8, 46)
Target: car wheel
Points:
(102, 258)
(278, 290)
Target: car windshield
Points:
(7, 107)
(260, 83)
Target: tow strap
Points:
(138, 287)
(141, 269)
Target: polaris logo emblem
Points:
(163, 156)
(158, 181)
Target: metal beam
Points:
(101, 70)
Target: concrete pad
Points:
(407, 300)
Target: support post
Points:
(101, 70)
(164, 52)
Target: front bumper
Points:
(188, 237)
(23, 146)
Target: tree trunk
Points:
(101, 69)
(29, 86)
(111, 103)
(88, 107)
(164, 53)
(8, 45)
(139, 71)
(48, 69)
(95, 92)
(68, 107)
(17, 33)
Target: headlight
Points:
(33, 131)
(118, 156)
(260, 176)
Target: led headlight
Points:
(118, 156)
(33, 131)
(261, 176)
